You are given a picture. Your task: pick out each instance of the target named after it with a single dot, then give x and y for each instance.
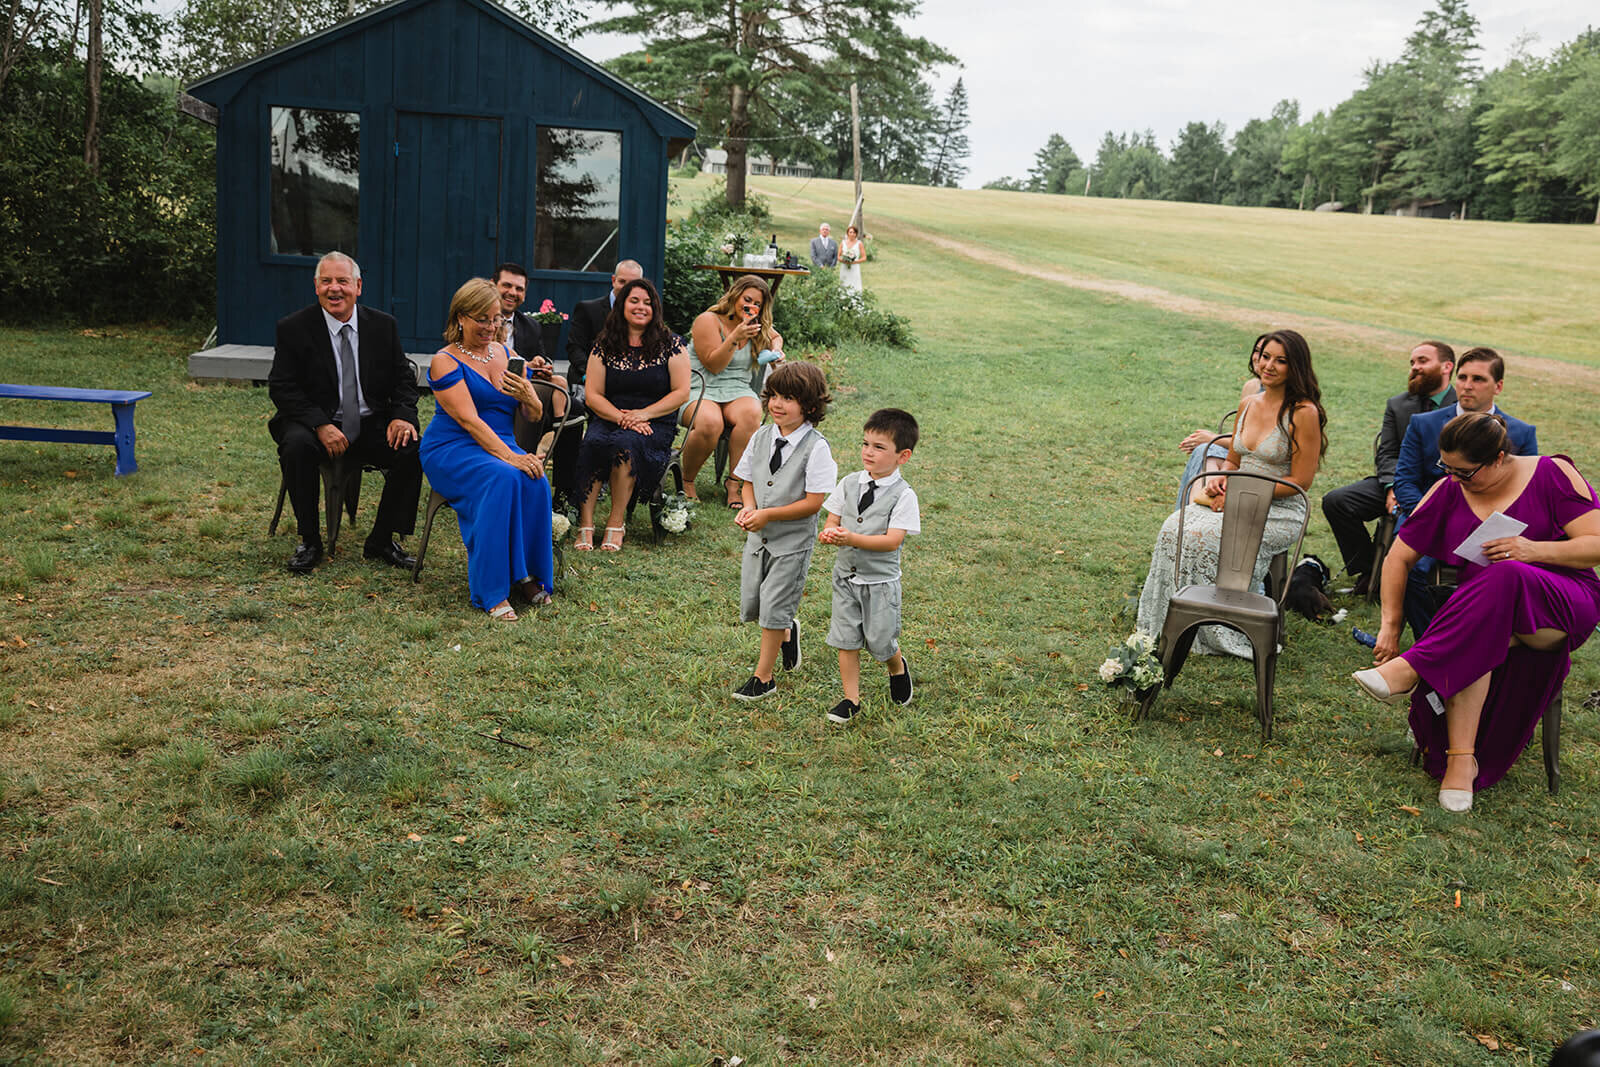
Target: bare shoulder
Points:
(1565, 467)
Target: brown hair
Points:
(728, 306)
(1497, 366)
(1479, 436)
(899, 426)
(1445, 353)
(476, 297)
(803, 383)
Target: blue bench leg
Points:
(123, 413)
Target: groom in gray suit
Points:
(824, 249)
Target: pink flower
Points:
(548, 305)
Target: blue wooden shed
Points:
(431, 140)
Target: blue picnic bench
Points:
(121, 401)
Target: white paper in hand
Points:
(1497, 525)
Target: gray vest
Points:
(858, 562)
(785, 486)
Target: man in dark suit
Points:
(342, 386)
(587, 319)
(511, 282)
(1350, 507)
(1480, 376)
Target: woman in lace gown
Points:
(637, 380)
(1281, 431)
(470, 455)
(851, 253)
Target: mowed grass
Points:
(257, 816)
(1528, 289)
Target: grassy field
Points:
(256, 816)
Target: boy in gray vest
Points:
(786, 470)
(869, 515)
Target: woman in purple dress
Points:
(637, 380)
(1499, 649)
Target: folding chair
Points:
(1230, 602)
(341, 493)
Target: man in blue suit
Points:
(1480, 376)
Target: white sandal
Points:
(579, 544)
(504, 613)
(606, 545)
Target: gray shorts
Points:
(770, 586)
(866, 616)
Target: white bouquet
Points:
(1133, 664)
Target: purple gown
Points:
(1472, 632)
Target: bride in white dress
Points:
(851, 253)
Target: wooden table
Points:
(773, 276)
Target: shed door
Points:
(446, 218)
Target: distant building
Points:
(1426, 209)
(716, 162)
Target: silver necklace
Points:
(485, 358)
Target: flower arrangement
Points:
(1133, 664)
(547, 314)
(676, 511)
(559, 525)
(734, 243)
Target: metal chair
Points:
(1382, 541)
(341, 493)
(522, 430)
(1230, 602)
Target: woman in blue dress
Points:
(637, 380)
(470, 455)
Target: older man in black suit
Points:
(1349, 508)
(589, 316)
(342, 385)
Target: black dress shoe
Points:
(305, 558)
(391, 553)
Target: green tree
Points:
(899, 129)
(746, 68)
(1007, 184)
(1256, 177)
(1052, 166)
(1577, 154)
(212, 35)
(1129, 166)
(950, 155)
(1433, 87)
(1199, 165)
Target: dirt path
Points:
(1537, 368)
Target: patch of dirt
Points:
(1538, 368)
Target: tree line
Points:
(1429, 130)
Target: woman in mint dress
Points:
(724, 345)
(470, 455)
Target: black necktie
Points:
(777, 455)
(868, 497)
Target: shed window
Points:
(316, 186)
(578, 201)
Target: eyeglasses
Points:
(496, 322)
(1460, 475)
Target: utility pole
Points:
(855, 147)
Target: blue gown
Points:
(504, 514)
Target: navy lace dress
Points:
(634, 380)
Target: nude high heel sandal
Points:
(1372, 683)
(1459, 800)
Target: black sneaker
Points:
(755, 689)
(791, 647)
(900, 684)
(843, 712)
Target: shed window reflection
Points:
(316, 181)
(578, 199)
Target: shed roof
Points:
(218, 88)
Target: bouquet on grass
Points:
(1133, 664)
(676, 511)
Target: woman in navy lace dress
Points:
(637, 380)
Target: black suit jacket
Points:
(582, 331)
(526, 336)
(304, 381)
(1396, 417)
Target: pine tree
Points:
(949, 161)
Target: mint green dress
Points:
(732, 382)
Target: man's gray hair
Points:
(355, 268)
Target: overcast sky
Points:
(1033, 68)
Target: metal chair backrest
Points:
(1244, 521)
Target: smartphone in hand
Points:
(517, 365)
